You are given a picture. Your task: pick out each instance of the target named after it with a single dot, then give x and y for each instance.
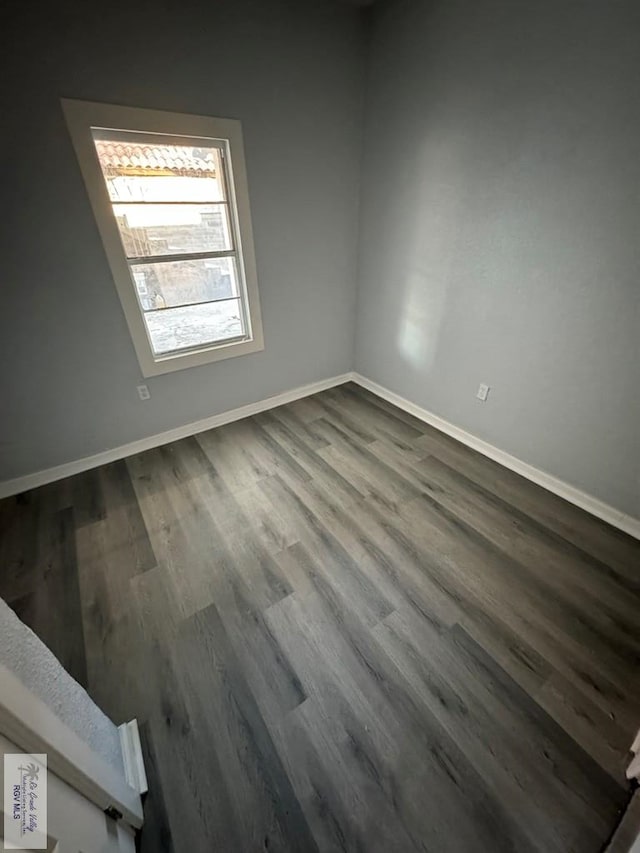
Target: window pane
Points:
(143, 171)
(166, 285)
(169, 229)
(194, 325)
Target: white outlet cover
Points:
(483, 392)
(143, 392)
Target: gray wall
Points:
(26, 656)
(498, 231)
(291, 70)
(500, 236)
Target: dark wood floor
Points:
(342, 631)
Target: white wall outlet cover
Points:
(483, 392)
(143, 392)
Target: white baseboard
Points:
(615, 517)
(132, 756)
(50, 475)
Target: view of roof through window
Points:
(172, 209)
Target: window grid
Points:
(196, 269)
(145, 260)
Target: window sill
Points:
(175, 361)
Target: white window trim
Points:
(81, 117)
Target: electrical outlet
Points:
(483, 392)
(143, 392)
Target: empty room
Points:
(320, 426)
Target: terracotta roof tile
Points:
(119, 158)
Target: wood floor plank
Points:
(54, 578)
(445, 772)
(244, 578)
(341, 630)
(214, 517)
(273, 527)
(157, 835)
(394, 565)
(166, 502)
(380, 404)
(20, 520)
(237, 457)
(304, 430)
(87, 496)
(267, 813)
(572, 766)
(190, 769)
(128, 537)
(596, 732)
(343, 783)
(380, 421)
(575, 565)
(495, 582)
(504, 754)
(289, 445)
(610, 546)
(109, 619)
(618, 647)
(368, 474)
(336, 561)
(330, 412)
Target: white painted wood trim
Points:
(132, 756)
(59, 472)
(27, 721)
(633, 770)
(73, 822)
(626, 523)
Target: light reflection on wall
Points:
(431, 210)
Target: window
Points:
(169, 193)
